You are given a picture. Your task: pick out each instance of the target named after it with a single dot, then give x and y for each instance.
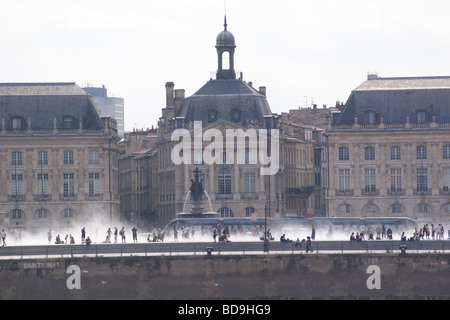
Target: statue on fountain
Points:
(196, 187)
(196, 191)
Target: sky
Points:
(303, 52)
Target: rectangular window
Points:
(369, 180)
(224, 182)
(17, 123)
(198, 157)
(396, 153)
(446, 179)
(446, 152)
(421, 153)
(344, 153)
(369, 153)
(94, 157)
(396, 180)
(421, 117)
(68, 157)
(42, 183)
(250, 157)
(344, 180)
(94, 184)
(69, 185)
(16, 159)
(68, 123)
(249, 183)
(42, 158)
(17, 184)
(422, 180)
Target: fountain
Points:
(196, 192)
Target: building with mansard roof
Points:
(58, 159)
(389, 150)
(233, 188)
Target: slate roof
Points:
(232, 100)
(42, 102)
(395, 98)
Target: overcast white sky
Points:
(302, 51)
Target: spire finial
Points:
(225, 23)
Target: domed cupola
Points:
(225, 46)
(225, 38)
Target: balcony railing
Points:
(249, 195)
(302, 191)
(49, 131)
(345, 192)
(370, 192)
(224, 196)
(390, 126)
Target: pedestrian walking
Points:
(3, 235)
(116, 232)
(49, 236)
(83, 235)
(108, 236)
(313, 232)
(309, 245)
(134, 231)
(175, 234)
(122, 234)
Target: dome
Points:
(225, 39)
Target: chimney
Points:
(169, 95)
(179, 97)
(262, 90)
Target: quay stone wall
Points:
(284, 276)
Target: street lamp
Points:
(266, 240)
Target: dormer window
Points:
(371, 117)
(18, 123)
(421, 116)
(69, 122)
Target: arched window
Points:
(423, 208)
(225, 60)
(249, 211)
(225, 212)
(68, 213)
(224, 181)
(17, 214)
(42, 213)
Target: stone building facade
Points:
(58, 158)
(234, 185)
(389, 150)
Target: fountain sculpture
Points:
(196, 192)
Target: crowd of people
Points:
(86, 240)
(219, 233)
(428, 232)
(223, 233)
